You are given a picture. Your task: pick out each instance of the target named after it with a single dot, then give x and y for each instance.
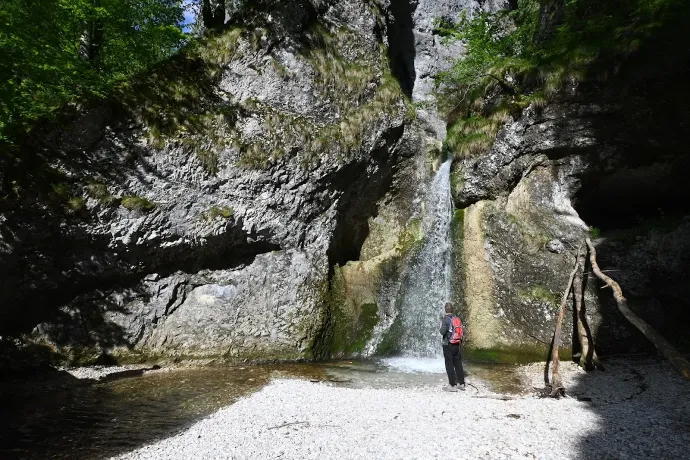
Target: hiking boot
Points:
(450, 388)
(461, 387)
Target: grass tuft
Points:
(137, 203)
(219, 211)
(100, 192)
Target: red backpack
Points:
(455, 330)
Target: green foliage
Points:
(137, 203)
(63, 195)
(44, 68)
(62, 190)
(594, 232)
(509, 64)
(100, 192)
(339, 79)
(284, 129)
(209, 160)
(76, 204)
(220, 48)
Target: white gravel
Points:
(100, 372)
(638, 409)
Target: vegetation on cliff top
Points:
(57, 51)
(526, 55)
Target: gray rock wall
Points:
(524, 203)
(258, 197)
(206, 205)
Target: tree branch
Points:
(557, 388)
(665, 348)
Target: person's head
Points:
(449, 307)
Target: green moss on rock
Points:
(540, 293)
(219, 211)
(137, 203)
(390, 341)
(352, 322)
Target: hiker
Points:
(451, 331)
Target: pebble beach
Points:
(636, 409)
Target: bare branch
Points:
(666, 350)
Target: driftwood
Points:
(557, 388)
(499, 397)
(283, 425)
(662, 345)
(588, 358)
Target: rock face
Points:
(525, 201)
(259, 197)
(200, 213)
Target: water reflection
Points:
(105, 419)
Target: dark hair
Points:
(449, 307)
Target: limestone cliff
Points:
(600, 157)
(259, 197)
(199, 212)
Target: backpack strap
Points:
(451, 329)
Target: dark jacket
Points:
(445, 327)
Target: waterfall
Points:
(427, 286)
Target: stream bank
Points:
(150, 415)
(643, 413)
(96, 412)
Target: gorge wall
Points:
(199, 213)
(260, 196)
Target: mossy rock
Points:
(219, 211)
(137, 203)
(353, 314)
(390, 341)
(351, 336)
(540, 293)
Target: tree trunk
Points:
(513, 4)
(91, 41)
(665, 348)
(213, 13)
(589, 359)
(557, 388)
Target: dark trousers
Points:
(453, 359)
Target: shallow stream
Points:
(80, 420)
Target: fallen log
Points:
(557, 388)
(665, 348)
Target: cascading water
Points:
(427, 287)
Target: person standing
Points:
(452, 333)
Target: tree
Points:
(92, 38)
(57, 51)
